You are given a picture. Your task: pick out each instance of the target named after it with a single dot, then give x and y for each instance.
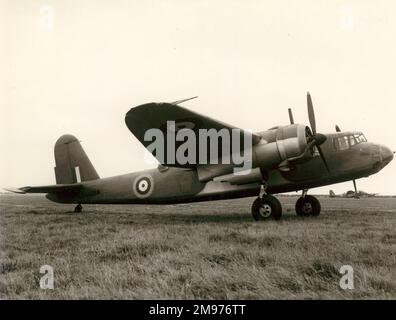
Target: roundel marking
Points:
(143, 186)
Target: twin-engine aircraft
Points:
(284, 158)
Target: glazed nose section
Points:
(386, 155)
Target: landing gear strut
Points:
(266, 207)
(78, 208)
(307, 205)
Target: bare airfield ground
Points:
(203, 250)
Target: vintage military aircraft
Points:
(284, 158)
(352, 194)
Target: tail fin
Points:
(332, 194)
(72, 163)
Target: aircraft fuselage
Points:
(182, 185)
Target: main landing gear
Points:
(78, 208)
(267, 207)
(307, 205)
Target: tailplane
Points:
(72, 163)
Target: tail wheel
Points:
(78, 208)
(266, 208)
(308, 206)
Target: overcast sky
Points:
(78, 66)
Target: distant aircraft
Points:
(352, 194)
(285, 158)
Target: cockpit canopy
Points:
(347, 140)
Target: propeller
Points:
(311, 114)
(316, 139)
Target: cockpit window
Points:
(360, 138)
(343, 143)
(352, 141)
(348, 141)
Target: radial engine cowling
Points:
(282, 145)
(279, 147)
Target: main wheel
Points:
(266, 208)
(78, 208)
(308, 206)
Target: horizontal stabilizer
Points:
(59, 188)
(13, 190)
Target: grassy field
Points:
(204, 250)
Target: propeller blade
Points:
(337, 128)
(291, 116)
(317, 137)
(323, 159)
(311, 113)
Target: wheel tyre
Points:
(266, 208)
(308, 206)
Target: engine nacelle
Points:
(279, 147)
(281, 144)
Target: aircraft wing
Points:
(59, 188)
(155, 115)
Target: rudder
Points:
(72, 163)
